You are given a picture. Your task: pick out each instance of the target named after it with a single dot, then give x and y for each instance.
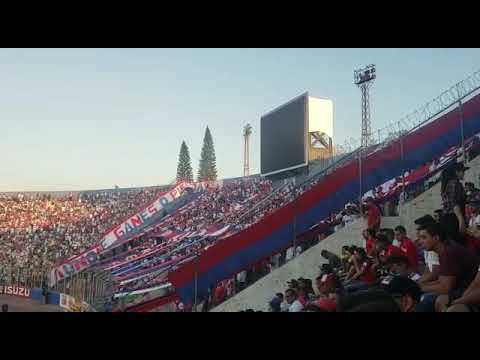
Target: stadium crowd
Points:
(37, 232)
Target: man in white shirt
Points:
(292, 300)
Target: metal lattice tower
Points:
(364, 78)
(247, 131)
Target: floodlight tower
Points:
(364, 78)
(247, 131)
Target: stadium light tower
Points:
(363, 78)
(247, 131)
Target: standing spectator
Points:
(374, 215)
(453, 195)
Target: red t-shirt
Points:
(410, 251)
(370, 245)
(328, 304)
(219, 293)
(367, 274)
(374, 215)
(393, 251)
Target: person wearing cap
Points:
(404, 291)
(453, 194)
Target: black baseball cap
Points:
(424, 221)
(401, 286)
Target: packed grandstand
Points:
(191, 246)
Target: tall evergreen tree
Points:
(207, 169)
(184, 167)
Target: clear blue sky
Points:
(92, 118)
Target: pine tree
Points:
(184, 167)
(207, 169)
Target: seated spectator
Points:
(474, 221)
(361, 275)
(313, 308)
(334, 261)
(458, 266)
(430, 258)
(276, 303)
(470, 299)
(400, 265)
(437, 214)
(329, 289)
(368, 301)
(292, 300)
(347, 254)
(369, 236)
(384, 249)
(407, 246)
(473, 194)
(404, 291)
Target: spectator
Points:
(404, 291)
(333, 260)
(373, 215)
(292, 300)
(400, 265)
(474, 221)
(361, 275)
(369, 236)
(473, 194)
(470, 299)
(313, 308)
(453, 194)
(457, 268)
(437, 214)
(407, 246)
(384, 250)
(368, 301)
(276, 303)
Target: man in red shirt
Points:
(384, 249)
(361, 276)
(407, 246)
(373, 215)
(369, 236)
